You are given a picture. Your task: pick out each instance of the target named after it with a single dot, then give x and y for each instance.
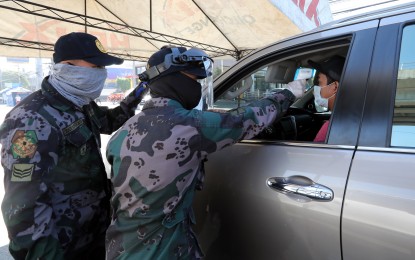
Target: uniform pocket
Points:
(77, 133)
(79, 152)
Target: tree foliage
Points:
(13, 77)
(123, 84)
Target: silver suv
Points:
(283, 196)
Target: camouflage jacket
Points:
(156, 161)
(56, 202)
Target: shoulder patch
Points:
(22, 172)
(24, 144)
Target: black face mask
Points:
(179, 87)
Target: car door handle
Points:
(300, 185)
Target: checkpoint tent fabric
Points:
(134, 30)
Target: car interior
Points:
(304, 119)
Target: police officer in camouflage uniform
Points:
(156, 156)
(56, 203)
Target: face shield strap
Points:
(152, 72)
(178, 59)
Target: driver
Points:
(326, 85)
(157, 156)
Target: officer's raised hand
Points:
(297, 87)
(134, 98)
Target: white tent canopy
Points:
(134, 29)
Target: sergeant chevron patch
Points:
(22, 172)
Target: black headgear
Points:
(83, 46)
(173, 59)
(332, 67)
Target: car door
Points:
(240, 214)
(379, 209)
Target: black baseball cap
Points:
(83, 46)
(332, 67)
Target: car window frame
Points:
(376, 129)
(400, 41)
(337, 134)
(344, 128)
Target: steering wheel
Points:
(299, 111)
(298, 124)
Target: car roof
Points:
(355, 19)
(344, 22)
(372, 15)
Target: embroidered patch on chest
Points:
(24, 144)
(73, 126)
(22, 172)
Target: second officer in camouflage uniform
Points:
(156, 157)
(56, 203)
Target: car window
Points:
(304, 119)
(261, 83)
(403, 127)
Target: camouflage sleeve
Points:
(112, 119)
(245, 122)
(29, 150)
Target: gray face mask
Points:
(80, 85)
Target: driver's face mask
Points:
(321, 103)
